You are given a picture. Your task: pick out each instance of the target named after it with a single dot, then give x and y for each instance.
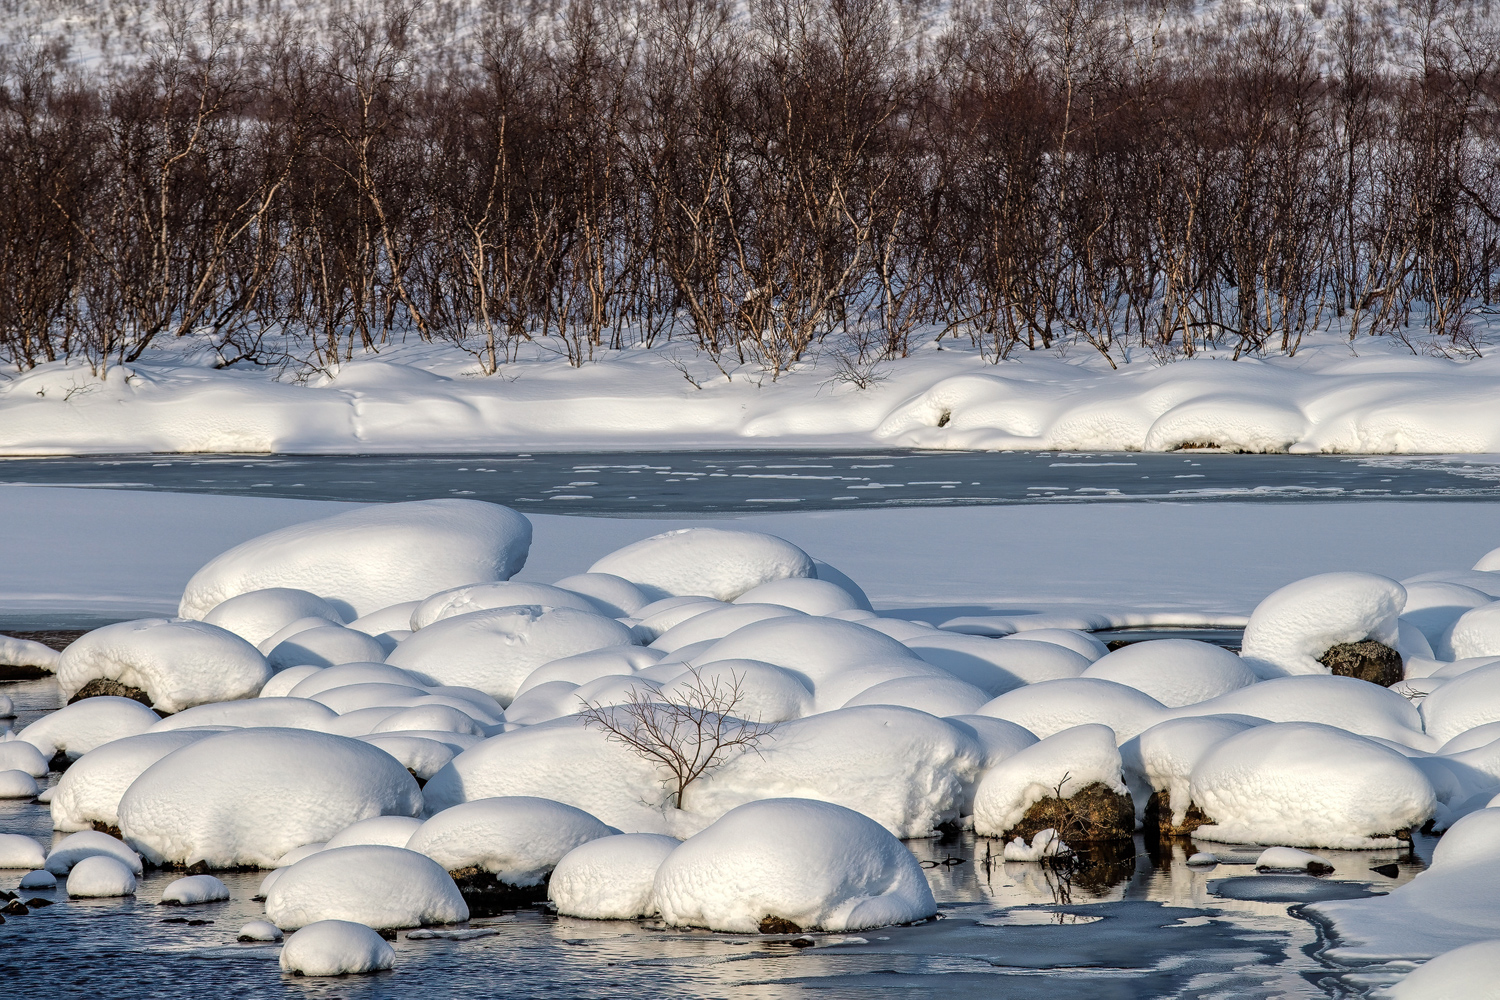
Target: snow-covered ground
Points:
(1374, 396)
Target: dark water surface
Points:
(734, 481)
(1131, 924)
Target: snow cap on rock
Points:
(518, 839)
(177, 663)
(193, 890)
(335, 948)
(1176, 672)
(610, 878)
(87, 844)
(715, 562)
(19, 851)
(616, 595)
(1295, 625)
(100, 876)
(89, 791)
(504, 594)
(257, 615)
(17, 784)
(810, 596)
(80, 727)
(1066, 761)
(376, 885)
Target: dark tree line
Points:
(755, 178)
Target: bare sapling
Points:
(687, 734)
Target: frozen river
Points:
(737, 482)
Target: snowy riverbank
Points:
(1374, 397)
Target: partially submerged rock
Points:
(1159, 822)
(107, 687)
(1367, 660)
(1094, 813)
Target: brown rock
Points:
(778, 925)
(103, 686)
(1367, 660)
(1158, 819)
(1095, 813)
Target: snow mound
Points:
(614, 595)
(1081, 643)
(26, 653)
(658, 616)
(1162, 758)
(259, 614)
(495, 650)
(335, 948)
(518, 839)
(1345, 702)
(1472, 739)
(997, 738)
(18, 755)
(763, 693)
(1052, 706)
(715, 562)
(610, 878)
(372, 557)
(1291, 859)
(287, 713)
(938, 696)
(584, 667)
(421, 755)
(375, 694)
(249, 796)
(810, 596)
(1489, 562)
(906, 770)
(1476, 632)
(439, 718)
(16, 784)
(84, 725)
(1433, 607)
(100, 876)
(1295, 625)
(1468, 973)
(178, 663)
(89, 792)
(391, 621)
(718, 623)
(259, 930)
(193, 890)
(996, 665)
(1467, 701)
(1046, 844)
(18, 851)
(316, 682)
(814, 865)
(488, 596)
(1176, 672)
(87, 844)
(1308, 785)
(39, 879)
(325, 646)
(1065, 762)
(392, 831)
(375, 885)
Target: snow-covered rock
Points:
(938, 696)
(335, 948)
(908, 771)
(259, 614)
(26, 653)
(248, 796)
(1291, 859)
(1465, 702)
(19, 755)
(1345, 702)
(372, 557)
(518, 839)
(193, 890)
(87, 844)
(810, 596)
(316, 682)
(178, 663)
(1044, 844)
(436, 717)
(16, 784)
(1474, 633)
(1468, 973)
(505, 594)
(615, 595)
(325, 646)
(376, 885)
(259, 930)
(392, 831)
(288, 713)
(100, 876)
(1304, 784)
(1176, 672)
(1162, 758)
(388, 621)
(718, 623)
(1081, 643)
(1295, 625)
(41, 878)
(1061, 765)
(610, 878)
(716, 562)
(996, 665)
(495, 650)
(89, 792)
(84, 725)
(19, 851)
(763, 693)
(813, 865)
(658, 616)
(1432, 607)
(584, 667)
(1053, 706)
(421, 755)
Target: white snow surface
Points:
(1474, 633)
(1344, 702)
(1298, 623)
(20, 851)
(1065, 762)
(938, 696)
(15, 784)
(375, 885)
(721, 563)
(193, 890)
(993, 665)
(815, 864)
(505, 594)
(765, 693)
(810, 596)
(1049, 707)
(392, 831)
(495, 650)
(1162, 758)
(1465, 702)
(718, 623)
(518, 839)
(251, 713)
(325, 646)
(178, 663)
(1176, 672)
(1468, 973)
(369, 558)
(249, 796)
(614, 595)
(18, 755)
(89, 791)
(1432, 607)
(610, 878)
(26, 653)
(423, 756)
(336, 948)
(80, 727)
(1303, 784)
(99, 876)
(259, 614)
(73, 848)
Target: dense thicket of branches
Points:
(754, 177)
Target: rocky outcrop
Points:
(1095, 813)
(1366, 660)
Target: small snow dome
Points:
(938, 696)
(100, 876)
(260, 930)
(1302, 784)
(1163, 757)
(335, 948)
(615, 595)
(1466, 702)
(487, 596)
(814, 648)
(810, 596)
(325, 646)
(1475, 633)
(248, 796)
(1050, 707)
(16, 784)
(718, 623)
(372, 557)
(259, 614)
(714, 562)
(289, 713)
(792, 864)
(20, 755)
(178, 664)
(421, 755)
(84, 725)
(87, 844)
(996, 665)
(1294, 626)
(584, 667)
(1344, 702)
(392, 831)
(764, 693)
(518, 839)
(495, 650)
(1471, 972)
(39, 879)
(376, 885)
(1175, 672)
(18, 851)
(1067, 762)
(610, 878)
(89, 791)
(193, 890)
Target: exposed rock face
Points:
(1158, 819)
(103, 687)
(488, 896)
(1095, 813)
(1367, 660)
